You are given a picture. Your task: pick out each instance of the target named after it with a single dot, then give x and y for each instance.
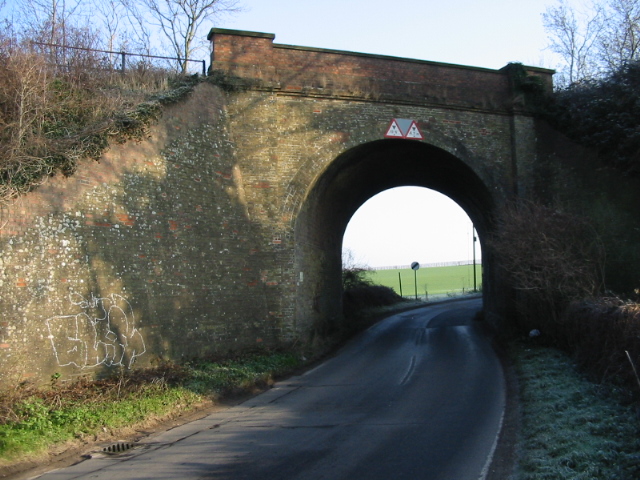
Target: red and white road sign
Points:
(403, 128)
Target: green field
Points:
(435, 281)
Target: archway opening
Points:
(346, 184)
(403, 225)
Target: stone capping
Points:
(241, 33)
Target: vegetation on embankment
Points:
(602, 114)
(53, 116)
(575, 346)
(554, 262)
(577, 370)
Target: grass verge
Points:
(572, 428)
(35, 420)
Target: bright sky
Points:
(409, 224)
(418, 225)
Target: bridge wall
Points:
(332, 103)
(146, 255)
(223, 229)
(254, 57)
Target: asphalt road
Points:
(420, 395)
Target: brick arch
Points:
(350, 180)
(310, 169)
(311, 124)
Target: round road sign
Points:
(415, 266)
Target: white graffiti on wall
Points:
(103, 333)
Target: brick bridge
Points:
(312, 129)
(224, 228)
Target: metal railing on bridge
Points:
(122, 56)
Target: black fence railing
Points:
(123, 55)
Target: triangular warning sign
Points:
(394, 130)
(414, 132)
(403, 128)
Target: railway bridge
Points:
(223, 229)
(318, 132)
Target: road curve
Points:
(420, 395)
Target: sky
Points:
(409, 224)
(418, 225)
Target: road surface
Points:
(418, 396)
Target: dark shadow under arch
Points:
(351, 179)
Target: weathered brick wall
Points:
(223, 229)
(322, 72)
(309, 164)
(145, 255)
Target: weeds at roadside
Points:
(33, 420)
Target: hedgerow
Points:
(554, 262)
(603, 335)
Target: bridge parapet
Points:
(252, 59)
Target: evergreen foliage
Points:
(604, 114)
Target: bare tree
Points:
(49, 20)
(111, 14)
(619, 42)
(138, 31)
(593, 40)
(3, 6)
(179, 21)
(55, 23)
(23, 101)
(574, 35)
(121, 30)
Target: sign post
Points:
(415, 266)
(475, 284)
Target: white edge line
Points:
(485, 469)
